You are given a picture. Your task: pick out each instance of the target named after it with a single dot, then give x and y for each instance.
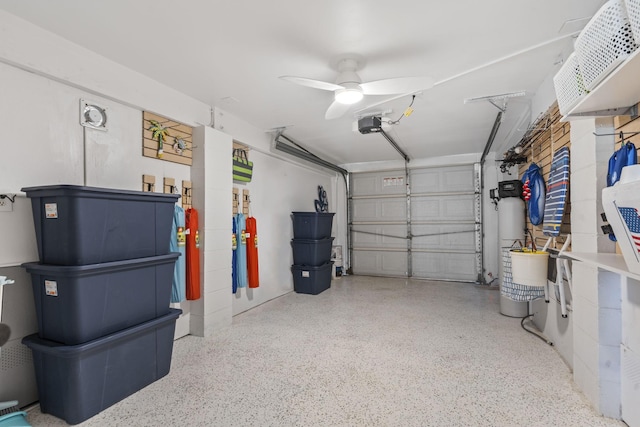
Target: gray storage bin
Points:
(76, 304)
(311, 280)
(77, 382)
(311, 252)
(78, 225)
(312, 225)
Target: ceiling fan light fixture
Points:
(348, 96)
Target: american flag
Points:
(631, 218)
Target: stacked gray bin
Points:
(311, 246)
(102, 292)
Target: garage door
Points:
(438, 239)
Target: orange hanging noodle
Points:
(193, 255)
(252, 252)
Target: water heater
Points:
(511, 227)
(510, 220)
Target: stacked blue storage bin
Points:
(311, 245)
(102, 291)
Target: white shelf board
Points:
(619, 89)
(610, 262)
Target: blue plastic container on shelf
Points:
(312, 225)
(311, 252)
(311, 280)
(77, 382)
(77, 225)
(76, 304)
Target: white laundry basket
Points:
(569, 84)
(605, 43)
(633, 12)
(529, 267)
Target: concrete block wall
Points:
(212, 182)
(596, 293)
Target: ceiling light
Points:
(348, 96)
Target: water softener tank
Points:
(511, 220)
(511, 227)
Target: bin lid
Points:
(88, 269)
(312, 241)
(41, 345)
(96, 192)
(313, 213)
(296, 267)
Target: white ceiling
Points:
(229, 54)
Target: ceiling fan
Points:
(349, 88)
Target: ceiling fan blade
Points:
(336, 110)
(384, 101)
(316, 84)
(397, 85)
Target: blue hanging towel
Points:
(241, 252)
(178, 244)
(234, 254)
(537, 189)
(625, 156)
(556, 193)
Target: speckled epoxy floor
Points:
(367, 352)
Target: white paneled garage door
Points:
(444, 223)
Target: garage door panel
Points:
(443, 219)
(378, 183)
(429, 265)
(445, 179)
(380, 210)
(380, 263)
(378, 236)
(457, 237)
(446, 208)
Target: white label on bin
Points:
(305, 274)
(51, 210)
(51, 288)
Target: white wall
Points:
(36, 50)
(279, 186)
(42, 79)
(44, 146)
(596, 293)
(547, 317)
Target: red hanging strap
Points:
(252, 253)
(193, 254)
